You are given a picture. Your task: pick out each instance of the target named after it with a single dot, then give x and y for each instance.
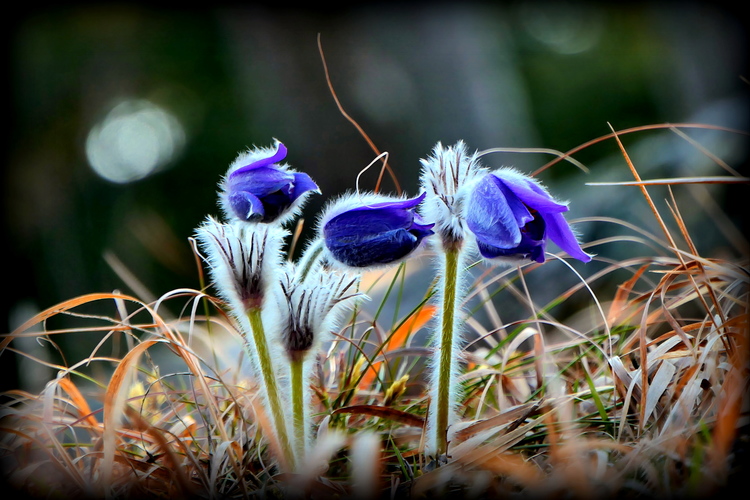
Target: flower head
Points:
(512, 216)
(310, 308)
(257, 188)
(366, 230)
(445, 178)
(241, 259)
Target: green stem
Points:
(450, 277)
(298, 407)
(269, 380)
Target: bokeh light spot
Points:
(135, 139)
(564, 28)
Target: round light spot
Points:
(135, 139)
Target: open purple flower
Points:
(372, 230)
(257, 188)
(512, 216)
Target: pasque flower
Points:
(309, 309)
(507, 216)
(258, 188)
(364, 230)
(446, 177)
(512, 216)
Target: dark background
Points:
(192, 87)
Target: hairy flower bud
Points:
(241, 258)
(310, 308)
(446, 177)
(361, 231)
(257, 188)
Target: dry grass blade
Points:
(356, 125)
(382, 412)
(676, 180)
(512, 418)
(114, 410)
(398, 339)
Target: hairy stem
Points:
(444, 380)
(298, 407)
(269, 381)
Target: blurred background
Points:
(123, 117)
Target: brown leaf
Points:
(383, 412)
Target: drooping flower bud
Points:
(310, 308)
(446, 177)
(371, 230)
(258, 188)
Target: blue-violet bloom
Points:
(257, 188)
(512, 216)
(365, 230)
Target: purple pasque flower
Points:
(257, 188)
(364, 230)
(512, 216)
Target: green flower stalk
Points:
(445, 176)
(244, 260)
(310, 308)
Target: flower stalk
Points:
(446, 363)
(311, 308)
(445, 179)
(244, 261)
(269, 378)
(505, 217)
(299, 409)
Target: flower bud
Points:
(242, 260)
(446, 176)
(368, 230)
(310, 308)
(257, 188)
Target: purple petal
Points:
(381, 248)
(302, 184)
(246, 206)
(490, 216)
(262, 181)
(530, 193)
(359, 222)
(560, 233)
(422, 230)
(528, 249)
(279, 155)
(520, 211)
(380, 233)
(531, 245)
